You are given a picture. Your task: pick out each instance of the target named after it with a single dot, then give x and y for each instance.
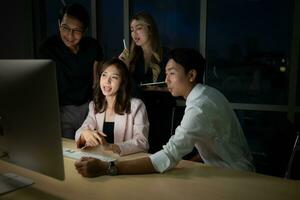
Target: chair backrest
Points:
(296, 149)
(271, 147)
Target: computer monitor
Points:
(30, 134)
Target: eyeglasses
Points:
(66, 29)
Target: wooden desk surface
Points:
(188, 181)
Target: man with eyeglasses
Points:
(76, 57)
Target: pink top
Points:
(130, 130)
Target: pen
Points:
(155, 83)
(124, 44)
(84, 147)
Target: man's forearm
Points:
(136, 166)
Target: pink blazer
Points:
(130, 130)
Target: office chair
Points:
(291, 163)
(271, 145)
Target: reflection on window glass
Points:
(248, 45)
(178, 21)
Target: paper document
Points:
(77, 154)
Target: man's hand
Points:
(91, 167)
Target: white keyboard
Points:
(77, 154)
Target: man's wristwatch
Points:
(112, 169)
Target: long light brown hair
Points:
(136, 51)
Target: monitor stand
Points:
(10, 182)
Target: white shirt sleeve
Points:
(182, 142)
(210, 124)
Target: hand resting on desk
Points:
(90, 138)
(91, 167)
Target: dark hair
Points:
(122, 104)
(136, 51)
(189, 59)
(77, 11)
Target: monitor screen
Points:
(30, 134)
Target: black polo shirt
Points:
(74, 71)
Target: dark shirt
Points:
(74, 71)
(108, 129)
(141, 76)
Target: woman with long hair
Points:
(147, 58)
(115, 120)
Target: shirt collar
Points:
(195, 92)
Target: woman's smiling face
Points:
(110, 81)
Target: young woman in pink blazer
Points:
(115, 119)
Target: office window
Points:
(248, 44)
(16, 35)
(52, 12)
(110, 27)
(298, 79)
(178, 21)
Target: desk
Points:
(189, 180)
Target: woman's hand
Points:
(124, 56)
(114, 148)
(93, 138)
(103, 141)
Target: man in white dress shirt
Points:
(209, 124)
